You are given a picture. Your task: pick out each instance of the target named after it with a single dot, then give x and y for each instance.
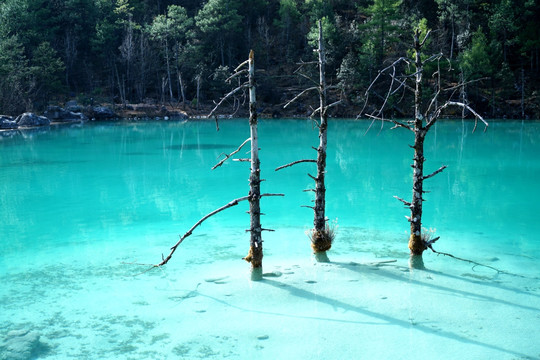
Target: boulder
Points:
(56, 113)
(31, 119)
(21, 345)
(6, 122)
(101, 112)
(72, 105)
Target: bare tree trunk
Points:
(182, 90)
(320, 242)
(522, 92)
(198, 89)
(416, 245)
(171, 97)
(321, 235)
(453, 37)
(420, 125)
(255, 245)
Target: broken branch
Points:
(295, 162)
(227, 156)
(241, 87)
(300, 94)
(408, 204)
(190, 231)
(435, 172)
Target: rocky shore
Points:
(72, 113)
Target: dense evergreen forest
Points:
(178, 53)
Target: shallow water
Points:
(82, 207)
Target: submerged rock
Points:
(31, 119)
(56, 113)
(21, 345)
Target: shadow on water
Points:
(311, 296)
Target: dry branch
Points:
(242, 64)
(239, 73)
(300, 94)
(295, 162)
(241, 87)
(480, 264)
(190, 231)
(395, 122)
(227, 156)
(435, 172)
(408, 204)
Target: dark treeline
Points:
(174, 52)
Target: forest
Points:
(178, 53)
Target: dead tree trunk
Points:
(321, 235)
(320, 239)
(416, 245)
(255, 254)
(425, 116)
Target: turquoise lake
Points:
(84, 208)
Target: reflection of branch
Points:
(295, 162)
(227, 156)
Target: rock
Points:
(31, 119)
(72, 105)
(177, 115)
(101, 112)
(56, 113)
(6, 122)
(21, 345)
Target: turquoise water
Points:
(83, 206)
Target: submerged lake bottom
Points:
(88, 210)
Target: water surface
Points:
(80, 206)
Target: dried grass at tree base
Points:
(322, 240)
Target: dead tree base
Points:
(256, 274)
(416, 262)
(321, 257)
(254, 257)
(416, 245)
(321, 240)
